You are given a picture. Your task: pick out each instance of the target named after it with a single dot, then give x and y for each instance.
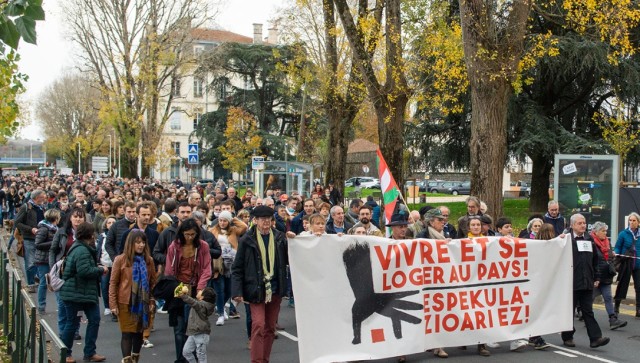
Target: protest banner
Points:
(364, 297)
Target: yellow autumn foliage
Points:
(242, 139)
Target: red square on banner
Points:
(377, 335)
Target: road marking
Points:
(287, 335)
(582, 354)
(565, 354)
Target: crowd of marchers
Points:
(143, 247)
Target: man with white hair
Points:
(586, 276)
(336, 222)
(554, 217)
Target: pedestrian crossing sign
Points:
(193, 159)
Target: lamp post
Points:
(79, 169)
(30, 152)
(109, 163)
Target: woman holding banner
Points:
(627, 247)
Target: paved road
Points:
(229, 343)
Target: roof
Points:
(220, 36)
(361, 146)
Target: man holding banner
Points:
(586, 276)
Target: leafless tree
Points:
(136, 50)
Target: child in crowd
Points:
(198, 327)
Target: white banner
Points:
(363, 297)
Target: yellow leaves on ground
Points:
(610, 21)
(242, 139)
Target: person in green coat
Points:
(80, 291)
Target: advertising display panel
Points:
(588, 184)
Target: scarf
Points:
(435, 234)
(267, 270)
(603, 245)
(140, 291)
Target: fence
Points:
(29, 339)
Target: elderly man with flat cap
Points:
(258, 278)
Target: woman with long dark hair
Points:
(188, 259)
(133, 277)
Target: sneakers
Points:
(161, 311)
(31, 289)
(518, 345)
(538, 343)
(234, 315)
(226, 316)
(614, 323)
(220, 321)
(147, 344)
(107, 312)
(439, 352)
(493, 345)
(599, 342)
(77, 337)
(569, 343)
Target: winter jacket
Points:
(296, 223)
(626, 240)
(164, 240)
(247, 277)
(27, 219)
(44, 237)
(214, 246)
(202, 269)
(558, 222)
(122, 279)
(81, 275)
(585, 264)
(199, 316)
(114, 236)
(330, 229)
(58, 246)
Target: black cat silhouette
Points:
(357, 261)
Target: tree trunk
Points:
(541, 169)
(339, 126)
(391, 134)
(488, 145)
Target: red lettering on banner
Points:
(409, 254)
(518, 250)
(466, 251)
(443, 251)
(460, 273)
(502, 316)
(483, 246)
(385, 259)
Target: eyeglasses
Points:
(445, 215)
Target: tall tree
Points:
(68, 109)
(257, 79)
(389, 95)
(135, 50)
(493, 33)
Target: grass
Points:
(516, 209)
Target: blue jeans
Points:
(222, 286)
(605, 290)
(62, 314)
(92, 312)
(180, 332)
(247, 309)
(42, 287)
(29, 257)
(104, 285)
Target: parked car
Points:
(459, 188)
(438, 186)
(204, 182)
(422, 184)
(362, 182)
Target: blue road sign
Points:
(194, 159)
(193, 149)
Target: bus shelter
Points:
(286, 175)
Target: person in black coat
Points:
(261, 287)
(586, 276)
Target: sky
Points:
(54, 54)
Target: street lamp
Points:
(79, 170)
(109, 163)
(30, 152)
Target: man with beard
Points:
(364, 217)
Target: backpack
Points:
(54, 277)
